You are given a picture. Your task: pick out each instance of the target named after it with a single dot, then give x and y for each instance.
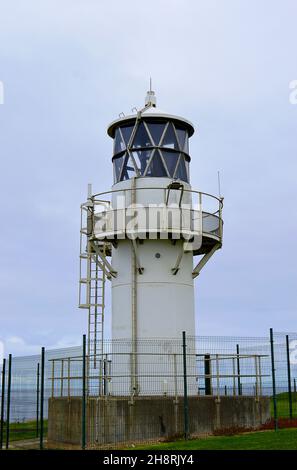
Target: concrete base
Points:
(115, 420)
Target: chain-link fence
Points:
(21, 388)
(149, 389)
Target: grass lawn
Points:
(20, 431)
(284, 439)
(283, 404)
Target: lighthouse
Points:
(149, 236)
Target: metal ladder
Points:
(96, 290)
(92, 277)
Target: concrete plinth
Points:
(114, 421)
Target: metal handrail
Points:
(200, 193)
(213, 356)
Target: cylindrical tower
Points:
(152, 224)
(149, 300)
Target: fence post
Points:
(53, 378)
(260, 375)
(289, 378)
(41, 399)
(62, 378)
(234, 376)
(8, 401)
(238, 370)
(175, 377)
(83, 410)
(2, 403)
(273, 381)
(207, 374)
(257, 378)
(37, 399)
(218, 378)
(68, 373)
(186, 404)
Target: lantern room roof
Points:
(150, 111)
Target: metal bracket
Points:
(175, 185)
(110, 272)
(186, 248)
(138, 265)
(203, 261)
(101, 266)
(175, 269)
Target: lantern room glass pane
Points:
(128, 169)
(169, 140)
(170, 160)
(117, 165)
(188, 169)
(141, 158)
(141, 138)
(119, 144)
(182, 135)
(126, 132)
(156, 167)
(181, 172)
(156, 130)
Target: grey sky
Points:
(68, 69)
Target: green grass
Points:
(284, 439)
(283, 404)
(21, 431)
(266, 440)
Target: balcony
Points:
(192, 216)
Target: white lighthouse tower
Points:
(150, 235)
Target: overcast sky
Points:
(69, 68)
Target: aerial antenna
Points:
(150, 99)
(219, 183)
(89, 190)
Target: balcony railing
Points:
(173, 212)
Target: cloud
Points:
(68, 69)
(18, 346)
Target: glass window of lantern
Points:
(126, 133)
(181, 172)
(171, 159)
(141, 158)
(156, 166)
(128, 169)
(119, 144)
(188, 169)
(142, 138)
(169, 140)
(117, 165)
(156, 130)
(182, 135)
